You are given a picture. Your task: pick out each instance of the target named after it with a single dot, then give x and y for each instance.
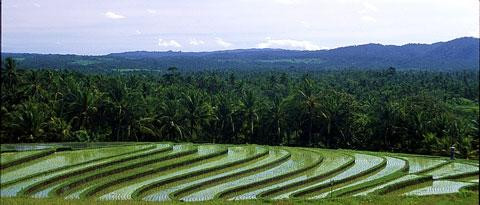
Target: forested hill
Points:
(457, 54)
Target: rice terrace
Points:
(162, 172)
(239, 102)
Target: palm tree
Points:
(224, 115)
(82, 104)
(167, 121)
(143, 129)
(197, 112)
(10, 66)
(248, 108)
(28, 121)
(332, 114)
(121, 107)
(34, 88)
(58, 130)
(275, 120)
(309, 103)
(387, 112)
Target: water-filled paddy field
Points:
(199, 172)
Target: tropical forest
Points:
(239, 102)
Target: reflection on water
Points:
(73, 145)
(23, 147)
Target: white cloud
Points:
(367, 11)
(474, 34)
(223, 43)
(36, 5)
(288, 44)
(152, 11)
(196, 42)
(305, 24)
(168, 43)
(287, 2)
(112, 15)
(369, 7)
(138, 32)
(369, 19)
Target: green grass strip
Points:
(402, 184)
(461, 175)
(471, 187)
(462, 198)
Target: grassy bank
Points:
(463, 198)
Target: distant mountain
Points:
(461, 53)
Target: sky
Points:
(95, 27)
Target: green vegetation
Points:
(333, 163)
(460, 53)
(85, 62)
(63, 160)
(263, 135)
(204, 154)
(200, 172)
(364, 164)
(389, 110)
(9, 159)
(465, 198)
(439, 187)
(394, 169)
(274, 158)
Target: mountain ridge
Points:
(460, 53)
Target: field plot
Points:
(60, 160)
(332, 161)
(37, 172)
(23, 147)
(383, 186)
(452, 170)
(233, 154)
(8, 159)
(418, 164)
(199, 172)
(393, 165)
(274, 156)
(439, 187)
(297, 161)
(12, 156)
(362, 164)
(100, 176)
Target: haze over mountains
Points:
(457, 54)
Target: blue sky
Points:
(106, 26)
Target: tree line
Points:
(405, 111)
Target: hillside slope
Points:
(457, 54)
